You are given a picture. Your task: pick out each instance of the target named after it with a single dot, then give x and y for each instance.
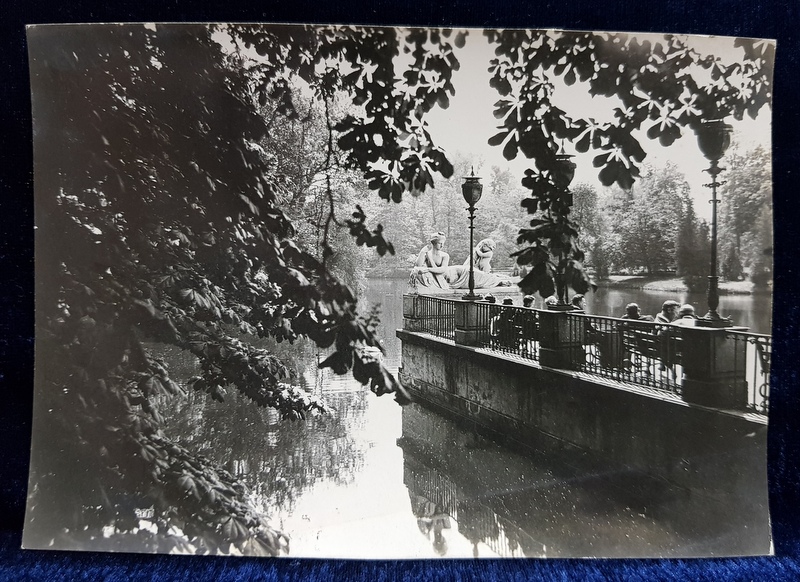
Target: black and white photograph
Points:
(361, 292)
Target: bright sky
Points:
(468, 123)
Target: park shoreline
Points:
(675, 285)
(637, 282)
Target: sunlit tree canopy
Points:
(175, 167)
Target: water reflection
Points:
(372, 480)
(752, 311)
(437, 503)
(432, 520)
(555, 502)
(276, 459)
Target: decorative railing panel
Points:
(642, 353)
(514, 330)
(757, 361)
(436, 316)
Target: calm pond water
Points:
(374, 480)
(752, 311)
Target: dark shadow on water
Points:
(559, 502)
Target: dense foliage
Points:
(660, 86)
(745, 216)
(692, 260)
(159, 216)
(646, 220)
(190, 182)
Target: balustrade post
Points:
(561, 339)
(472, 324)
(714, 365)
(412, 312)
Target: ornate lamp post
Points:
(471, 190)
(714, 137)
(714, 370)
(562, 177)
(560, 337)
(564, 174)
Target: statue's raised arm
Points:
(482, 255)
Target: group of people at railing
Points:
(646, 350)
(651, 351)
(671, 312)
(630, 341)
(432, 268)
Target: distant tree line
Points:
(205, 187)
(745, 216)
(651, 227)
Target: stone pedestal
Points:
(411, 314)
(472, 323)
(561, 339)
(714, 367)
(410, 305)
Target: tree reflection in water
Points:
(334, 481)
(276, 459)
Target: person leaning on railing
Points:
(529, 324)
(578, 301)
(494, 313)
(669, 312)
(592, 336)
(508, 328)
(686, 316)
(670, 338)
(632, 334)
(632, 311)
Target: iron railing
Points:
(643, 353)
(758, 355)
(640, 352)
(509, 329)
(436, 316)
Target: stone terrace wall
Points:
(715, 453)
